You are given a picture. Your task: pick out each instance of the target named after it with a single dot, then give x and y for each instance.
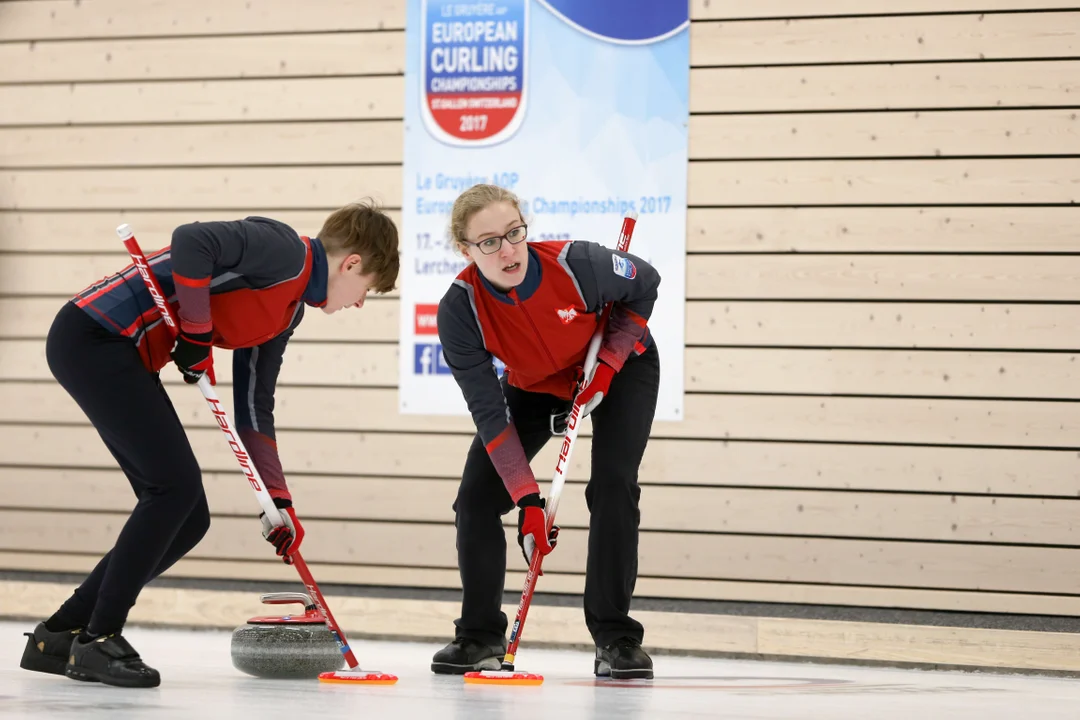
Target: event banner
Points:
(581, 108)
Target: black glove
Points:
(193, 357)
(531, 524)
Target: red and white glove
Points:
(595, 388)
(285, 538)
(532, 523)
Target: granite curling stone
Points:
(286, 647)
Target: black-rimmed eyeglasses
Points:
(494, 244)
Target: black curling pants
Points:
(621, 427)
(131, 411)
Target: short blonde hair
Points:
(363, 228)
(473, 201)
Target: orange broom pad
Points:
(357, 677)
(503, 677)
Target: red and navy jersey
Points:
(247, 281)
(541, 331)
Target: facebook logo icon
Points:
(428, 360)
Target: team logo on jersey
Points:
(623, 267)
(567, 316)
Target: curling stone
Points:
(287, 646)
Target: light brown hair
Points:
(473, 201)
(363, 228)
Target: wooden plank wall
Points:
(881, 295)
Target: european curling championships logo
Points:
(472, 65)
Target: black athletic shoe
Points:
(110, 659)
(464, 655)
(47, 651)
(623, 660)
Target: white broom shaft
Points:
(247, 465)
(573, 420)
(562, 466)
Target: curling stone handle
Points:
(282, 598)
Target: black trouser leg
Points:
(621, 427)
(132, 414)
(481, 502)
(78, 608)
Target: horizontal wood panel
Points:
(928, 134)
(917, 86)
(764, 42)
(269, 569)
(881, 277)
(729, 370)
(234, 538)
(178, 145)
(377, 321)
(95, 230)
(898, 229)
(27, 318)
(855, 515)
(331, 496)
(57, 274)
(390, 454)
(50, 19)
(695, 509)
(809, 229)
(883, 372)
(887, 134)
(711, 277)
(312, 187)
(304, 364)
(730, 591)
(755, 464)
(731, 557)
(934, 469)
(272, 569)
(884, 182)
(303, 407)
(316, 99)
(732, 9)
(785, 324)
(880, 420)
(735, 463)
(362, 53)
(1010, 423)
(896, 325)
(877, 39)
